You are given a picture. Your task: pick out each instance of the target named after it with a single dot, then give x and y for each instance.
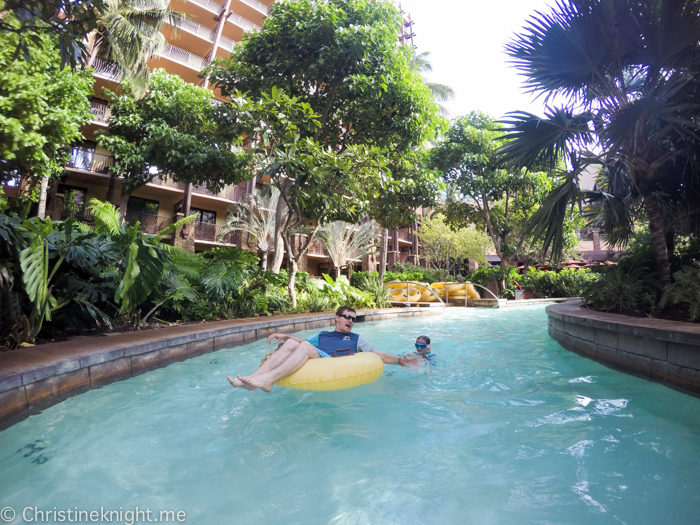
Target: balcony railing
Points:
(317, 248)
(227, 43)
(107, 69)
(88, 160)
(209, 5)
(198, 29)
(405, 234)
(258, 6)
(233, 193)
(183, 57)
(100, 111)
(149, 223)
(204, 231)
(243, 23)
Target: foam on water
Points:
(508, 428)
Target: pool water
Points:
(509, 428)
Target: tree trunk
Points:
(337, 272)
(263, 260)
(293, 268)
(383, 248)
(658, 238)
(279, 242)
(123, 203)
(43, 190)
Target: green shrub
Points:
(423, 275)
(622, 288)
(684, 293)
(370, 283)
(569, 282)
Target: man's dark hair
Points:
(425, 339)
(343, 309)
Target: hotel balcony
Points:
(87, 160)
(233, 193)
(212, 234)
(258, 6)
(149, 223)
(177, 61)
(405, 235)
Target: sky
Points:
(466, 40)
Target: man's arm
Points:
(388, 359)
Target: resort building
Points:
(212, 31)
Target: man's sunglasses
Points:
(348, 317)
(421, 345)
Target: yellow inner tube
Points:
(454, 287)
(399, 295)
(471, 292)
(335, 373)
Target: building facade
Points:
(213, 31)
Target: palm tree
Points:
(255, 216)
(128, 35)
(628, 73)
(440, 92)
(348, 242)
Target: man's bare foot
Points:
(254, 382)
(237, 383)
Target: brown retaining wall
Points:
(663, 351)
(32, 379)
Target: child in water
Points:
(422, 351)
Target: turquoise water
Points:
(509, 428)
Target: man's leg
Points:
(275, 359)
(294, 362)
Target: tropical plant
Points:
(684, 292)
(623, 289)
(140, 260)
(41, 110)
(256, 216)
(448, 248)
(484, 191)
(174, 131)
(441, 92)
(627, 73)
(68, 21)
(339, 292)
(328, 64)
(128, 35)
(46, 266)
(375, 287)
(346, 243)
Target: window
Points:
(139, 205)
(73, 200)
(204, 216)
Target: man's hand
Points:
(277, 338)
(410, 360)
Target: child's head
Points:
(423, 344)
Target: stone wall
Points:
(35, 378)
(663, 351)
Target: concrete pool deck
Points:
(662, 351)
(37, 377)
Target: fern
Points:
(684, 291)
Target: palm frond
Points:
(346, 242)
(548, 220)
(175, 226)
(106, 217)
(534, 140)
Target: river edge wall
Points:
(35, 378)
(666, 352)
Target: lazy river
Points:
(509, 428)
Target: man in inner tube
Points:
(292, 355)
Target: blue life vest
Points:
(342, 344)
